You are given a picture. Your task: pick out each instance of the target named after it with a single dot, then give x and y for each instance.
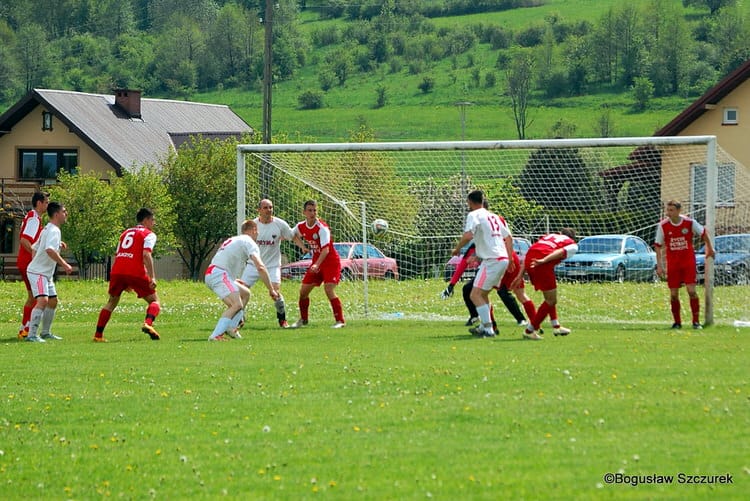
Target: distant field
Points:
(413, 408)
(411, 115)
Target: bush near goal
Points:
(597, 186)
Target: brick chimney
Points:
(130, 101)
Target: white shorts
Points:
(219, 281)
(251, 275)
(490, 273)
(41, 285)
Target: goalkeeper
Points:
(502, 290)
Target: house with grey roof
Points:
(49, 131)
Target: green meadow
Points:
(401, 404)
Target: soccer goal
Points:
(596, 186)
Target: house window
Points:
(46, 164)
(725, 187)
(730, 116)
(46, 120)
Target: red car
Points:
(520, 245)
(352, 263)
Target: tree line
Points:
(178, 47)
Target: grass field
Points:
(413, 408)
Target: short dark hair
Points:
(476, 196)
(53, 208)
(569, 232)
(308, 203)
(249, 224)
(143, 213)
(38, 196)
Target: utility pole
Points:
(266, 170)
(267, 71)
(462, 105)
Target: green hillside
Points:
(411, 115)
(594, 67)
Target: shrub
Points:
(426, 84)
(310, 100)
(382, 98)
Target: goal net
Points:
(596, 186)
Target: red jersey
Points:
(129, 257)
(31, 228)
(317, 238)
(549, 244)
(677, 240)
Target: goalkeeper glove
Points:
(448, 292)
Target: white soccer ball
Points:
(379, 227)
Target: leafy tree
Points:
(629, 34)
(9, 84)
(144, 187)
(603, 57)
(201, 182)
(34, 57)
(179, 51)
(505, 198)
(713, 5)
(643, 91)
(94, 216)
(572, 179)
(670, 47)
(519, 81)
(382, 99)
(577, 55)
(226, 42)
(729, 32)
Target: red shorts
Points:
(120, 283)
(508, 277)
(25, 278)
(678, 274)
(329, 273)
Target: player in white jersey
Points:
(493, 243)
(271, 231)
(41, 272)
(221, 277)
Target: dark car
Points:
(610, 257)
(520, 245)
(352, 263)
(732, 261)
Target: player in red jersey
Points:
(540, 264)
(133, 269)
(325, 268)
(676, 257)
(31, 228)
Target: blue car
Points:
(732, 261)
(610, 258)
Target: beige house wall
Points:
(733, 146)
(28, 134)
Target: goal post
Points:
(596, 186)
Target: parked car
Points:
(520, 245)
(352, 263)
(610, 257)
(732, 261)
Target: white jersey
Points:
(234, 254)
(269, 239)
(489, 232)
(42, 264)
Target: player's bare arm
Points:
(148, 262)
(465, 239)
(56, 257)
(265, 278)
